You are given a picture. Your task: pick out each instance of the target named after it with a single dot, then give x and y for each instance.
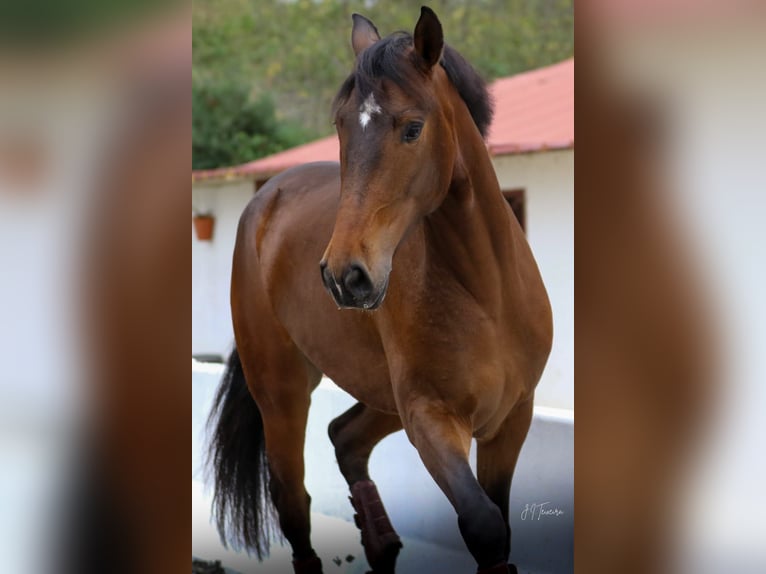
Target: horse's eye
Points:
(412, 131)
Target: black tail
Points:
(242, 504)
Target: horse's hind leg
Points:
(281, 384)
(496, 461)
(354, 434)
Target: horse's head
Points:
(397, 152)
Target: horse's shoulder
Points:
(291, 199)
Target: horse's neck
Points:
(471, 232)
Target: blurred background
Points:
(669, 287)
(95, 108)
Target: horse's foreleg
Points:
(496, 460)
(284, 420)
(354, 434)
(443, 441)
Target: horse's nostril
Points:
(357, 282)
(326, 275)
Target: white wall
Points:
(548, 181)
(211, 265)
(710, 85)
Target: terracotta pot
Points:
(203, 226)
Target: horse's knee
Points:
(349, 452)
(333, 430)
(335, 427)
(485, 533)
(338, 439)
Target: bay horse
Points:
(437, 319)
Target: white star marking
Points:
(369, 108)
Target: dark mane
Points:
(386, 57)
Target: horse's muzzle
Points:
(354, 288)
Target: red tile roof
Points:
(534, 111)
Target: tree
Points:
(299, 50)
(229, 127)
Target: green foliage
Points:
(299, 50)
(229, 127)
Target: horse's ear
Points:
(428, 37)
(364, 34)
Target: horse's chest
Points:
(469, 361)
